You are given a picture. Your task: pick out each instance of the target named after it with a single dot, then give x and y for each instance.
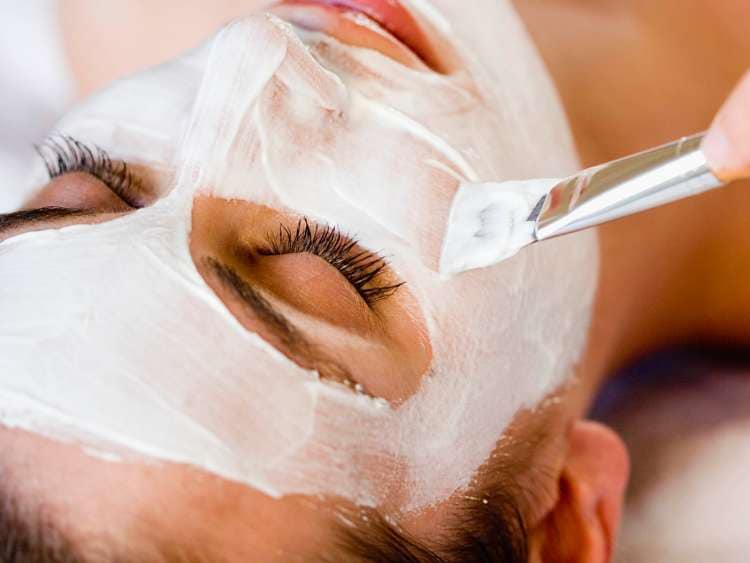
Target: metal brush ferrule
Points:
(626, 186)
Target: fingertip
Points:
(727, 143)
(719, 152)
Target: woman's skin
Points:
(674, 275)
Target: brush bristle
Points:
(489, 223)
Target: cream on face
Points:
(109, 336)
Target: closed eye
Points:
(63, 154)
(363, 269)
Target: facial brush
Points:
(491, 222)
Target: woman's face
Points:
(258, 297)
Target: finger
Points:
(727, 144)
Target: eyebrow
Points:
(289, 335)
(260, 307)
(29, 537)
(18, 219)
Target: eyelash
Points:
(362, 268)
(63, 154)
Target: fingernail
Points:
(718, 149)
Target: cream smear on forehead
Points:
(109, 336)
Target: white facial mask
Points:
(109, 336)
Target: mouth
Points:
(382, 25)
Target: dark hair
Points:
(486, 529)
(487, 523)
(30, 539)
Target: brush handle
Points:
(626, 186)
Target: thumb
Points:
(727, 144)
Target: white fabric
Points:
(36, 87)
(689, 499)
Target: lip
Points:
(397, 33)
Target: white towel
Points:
(36, 86)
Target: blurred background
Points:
(684, 417)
